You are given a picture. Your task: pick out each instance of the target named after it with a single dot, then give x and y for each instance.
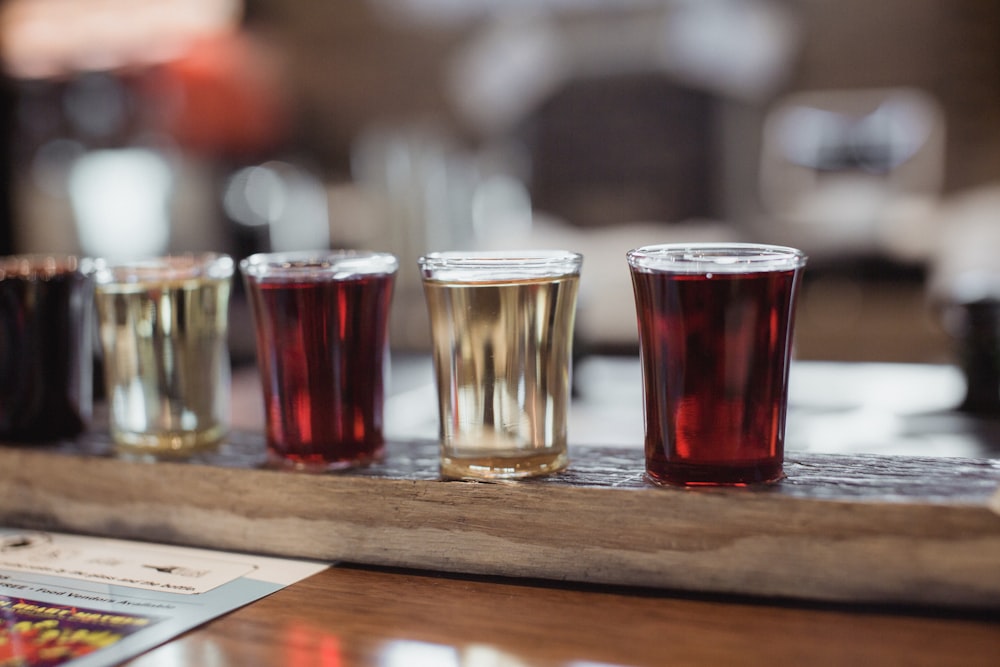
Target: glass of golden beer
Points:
(163, 329)
(502, 337)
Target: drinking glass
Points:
(163, 325)
(715, 331)
(46, 355)
(502, 336)
(321, 321)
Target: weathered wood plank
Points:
(849, 528)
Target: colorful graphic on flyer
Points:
(136, 595)
(41, 634)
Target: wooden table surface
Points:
(361, 616)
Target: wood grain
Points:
(845, 528)
(364, 616)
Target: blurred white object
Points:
(965, 263)
(288, 199)
(507, 71)
(121, 198)
(840, 167)
(739, 49)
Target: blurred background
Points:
(868, 134)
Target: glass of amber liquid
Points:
(163, 326)
(321, 321)
(715, 331)
(502, 336)
(46, 355)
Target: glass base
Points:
(321, 464)
(167, 443)
(503, 467)
(689, 474)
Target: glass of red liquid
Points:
(321, 321)
(46, 349)
(715, 331)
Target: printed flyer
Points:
(89, 602)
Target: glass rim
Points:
(163, 268)
(39, 265)
(715, 257)
(491, 265)
(318, 264)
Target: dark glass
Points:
(321, 348)
(46, 362)
(715, 356)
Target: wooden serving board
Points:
(868, 529)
